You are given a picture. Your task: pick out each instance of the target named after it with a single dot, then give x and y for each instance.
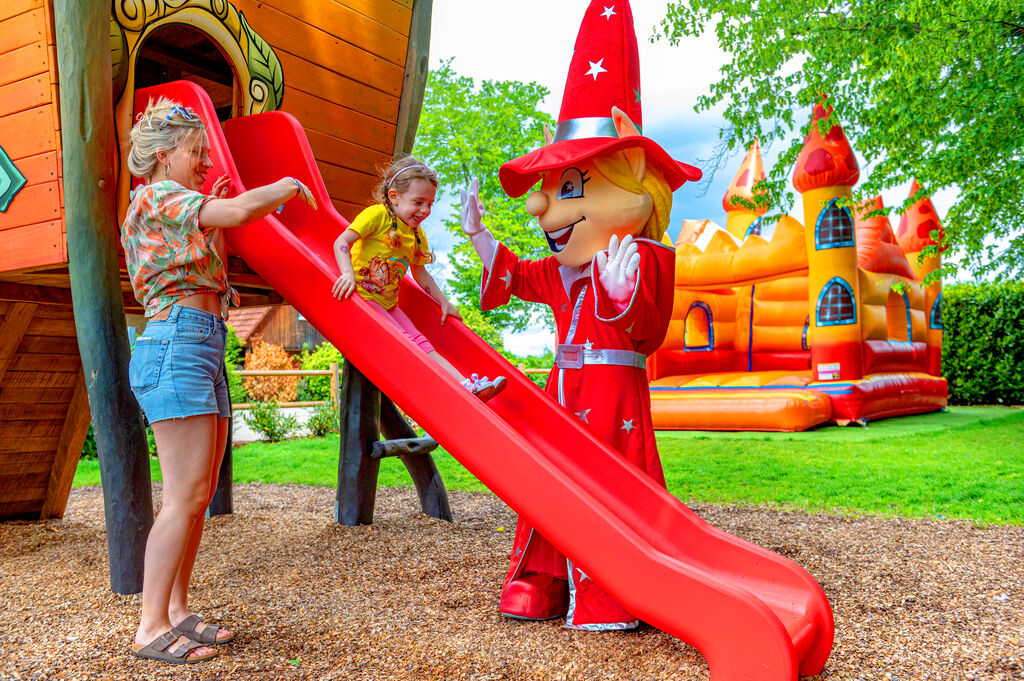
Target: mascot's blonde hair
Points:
(616, 168)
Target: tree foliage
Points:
(468, 130)
(925, 90)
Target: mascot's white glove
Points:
(617, 270)
(473, 226)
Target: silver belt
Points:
(575, 355)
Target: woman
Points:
(172, 242)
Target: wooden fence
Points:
(333, 372)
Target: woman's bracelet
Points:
(298, 190)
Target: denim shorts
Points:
(177, 367)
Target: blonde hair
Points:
(165, 125)
(398, 176)
(616, 168)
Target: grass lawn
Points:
(967, 462)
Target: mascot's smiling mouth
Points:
(559, 238)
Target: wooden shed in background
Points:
(351, 71)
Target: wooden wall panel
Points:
(339, 152)
(69, 450)
(324, 116)
(25, 398)
(348, 210)
(350, 26)
(394, 15)
(34, 245)
(11, 8)
(29, 133)
(32, 205)
(25, 94)
(23, 29)
(340, 89)
(287, 34)
(23, 62)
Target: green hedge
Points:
(983, 343)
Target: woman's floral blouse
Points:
(169, 255)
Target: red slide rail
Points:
(754, 615)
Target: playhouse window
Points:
(803, 336)
(754, 228)
(698, 331)
(935, 318)
(836, 304)
(834, 228)
(897, 317)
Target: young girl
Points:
(383, 242)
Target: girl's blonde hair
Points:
(165, 125)
(398, 176)
(616, 168)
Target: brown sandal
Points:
(157, 649)
(208, 636)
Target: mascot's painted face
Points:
(579, 210)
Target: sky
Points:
(534, 41)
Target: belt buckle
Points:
(569, 356)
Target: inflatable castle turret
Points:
(917, 227)
(740, 220)
(826, 170)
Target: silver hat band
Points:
(583, 128)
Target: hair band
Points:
(415, 165)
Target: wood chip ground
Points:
(411, 597)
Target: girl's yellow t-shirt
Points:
(378, 266)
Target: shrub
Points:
(544, 361)
(983, 342)
(232, 358)
(318, 388)
(267, 356)
(323, 420)
(89, 446)
(266, 419)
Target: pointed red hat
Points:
(604, 72)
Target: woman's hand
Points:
(304, 193)
(221, 187)
(344, 285)
(448, 310)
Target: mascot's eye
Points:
(572, 182)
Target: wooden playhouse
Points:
(351, 71)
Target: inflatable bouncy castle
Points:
(784, 326)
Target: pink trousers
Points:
(405, 325)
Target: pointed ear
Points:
(547, 135)
(635, 156)
(623, 126)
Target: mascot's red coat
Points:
(613, 401)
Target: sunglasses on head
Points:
(182, 111)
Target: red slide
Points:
(753, 614)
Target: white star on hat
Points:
(608, 12)
(596, 68)
(627, 425)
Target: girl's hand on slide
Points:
(344, 286)
(449, 310)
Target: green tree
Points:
(925, 90)
(468, 130)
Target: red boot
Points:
(534, 596)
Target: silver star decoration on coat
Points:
(583, 575)
(582, 414)
(507, 278)
(595, 68)
(608, 12)
(627, 425)
(629, 329)
(588, 345)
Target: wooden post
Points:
(357, 471)
(415, 83)
(335, 397)
(365, 414)
(90, 177)
(222, 502)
